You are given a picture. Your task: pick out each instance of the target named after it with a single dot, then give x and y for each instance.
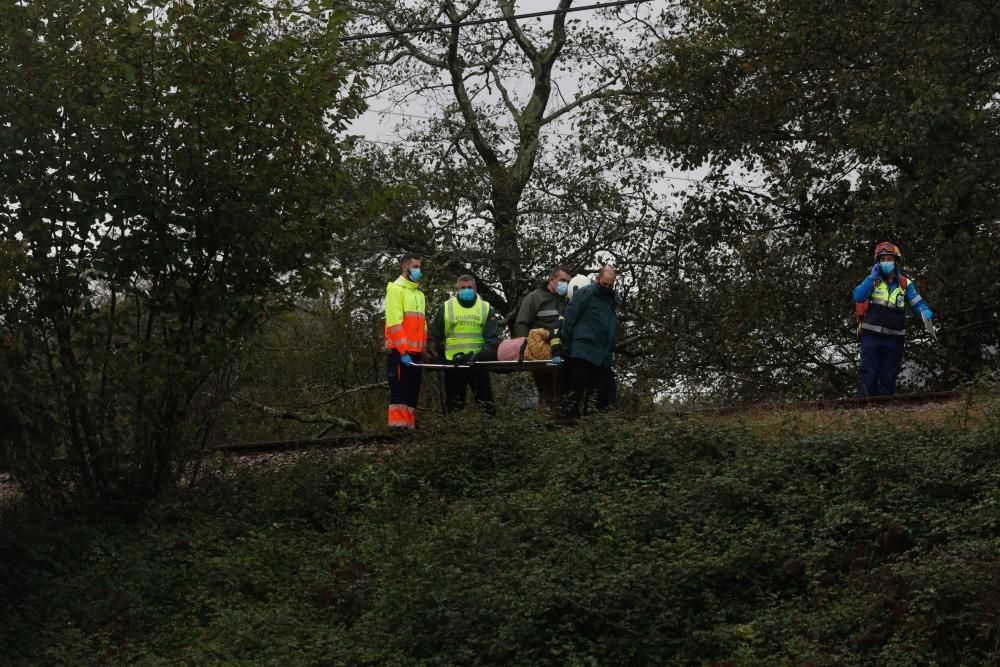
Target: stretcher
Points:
(495, 366)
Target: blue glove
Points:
(406, 360)
(556, 360)
(927, 314)
(876, 271)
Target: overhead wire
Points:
(494, 19)
(444, 26)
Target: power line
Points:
(496, 19)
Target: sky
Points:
(385, 120)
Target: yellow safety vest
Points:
(886, 310)
(463, 327)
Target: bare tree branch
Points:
(328, 420)
(455, 69)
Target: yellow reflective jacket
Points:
(405, 322)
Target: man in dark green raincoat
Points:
(588, 333)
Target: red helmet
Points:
(886, 248)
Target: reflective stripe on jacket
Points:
(405, 323)
(463, 327)
(540, 308)
(887, 310)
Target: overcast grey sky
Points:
(388, 122)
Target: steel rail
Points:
(387, 437)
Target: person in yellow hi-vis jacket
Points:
(468, 327)
(405, 337)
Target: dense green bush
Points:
(173, 177)
(647, 541)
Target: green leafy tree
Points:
(170, 171)
(512, 177)
(824, 128)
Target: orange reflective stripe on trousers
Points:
(400, 415)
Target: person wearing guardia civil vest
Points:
(887, 292)
(466, 328)
(405, 338)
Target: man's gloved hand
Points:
(876, 271)
(556, 360)
(927, 314)
(460, 358)
(406, 360)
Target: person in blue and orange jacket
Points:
(882, 298)
(405, 338)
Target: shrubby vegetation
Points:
(173, 176)
(177, 174)
(657, 540)
(847, 124)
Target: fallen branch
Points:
(330, 421)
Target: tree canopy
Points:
(512, 183)
(176, 173)
(825, 128)
(169, 177)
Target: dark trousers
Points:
(607, 389)
(457, 380)
(586, 385)
(547, 384)
(404, 389)
(880, 359)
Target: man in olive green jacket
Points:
(544, 308)
(588, 333)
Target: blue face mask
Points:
(562, 288)
(466, 295)
(415, 273)
(887, 267)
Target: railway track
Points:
(332, 442)
(846, 403)
(388, 437)
(10, 489)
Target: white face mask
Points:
(562, 287)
